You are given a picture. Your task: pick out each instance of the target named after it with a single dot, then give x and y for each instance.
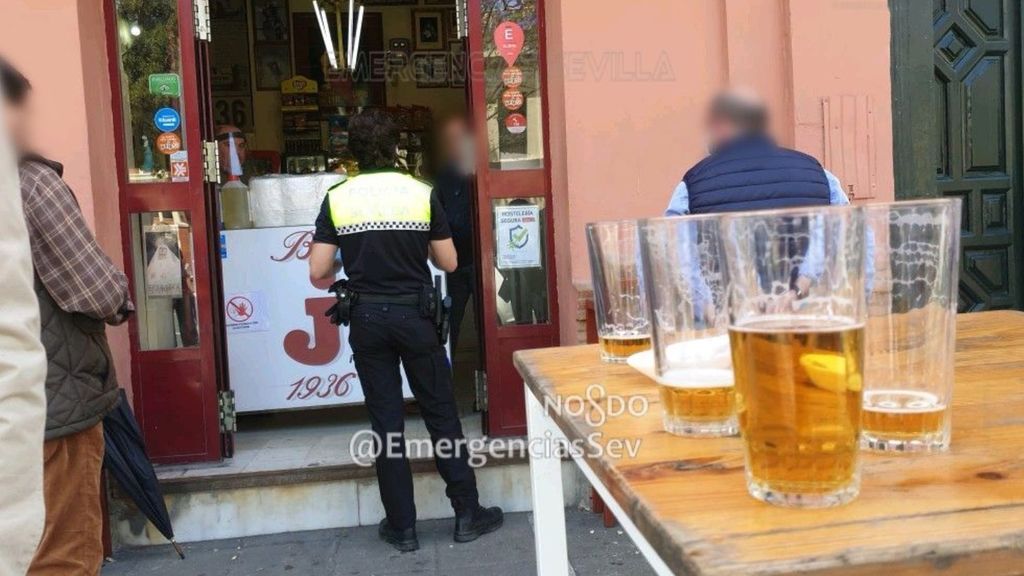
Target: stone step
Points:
(223, 504)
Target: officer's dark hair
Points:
(747, 114)
(14, 84)
(373, 140)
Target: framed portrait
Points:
(428, 30)
(431, 69)
(273, 65)
(228, 10)
(389, 2)
(459, 67)
(271, 20)
(163, 262)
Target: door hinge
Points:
(201, 11)
(226, 410)
(211, 162)
(480, 380)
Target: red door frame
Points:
(507, 411)
(175, 391)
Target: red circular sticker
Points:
(512, 77)
(512, 99)
(168, 143)
(516, 123)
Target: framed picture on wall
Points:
(431, 69)
(273, 65)
(428, 30)
(271, 21)
(228, 10)
(388, 2)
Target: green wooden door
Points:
(957, 122)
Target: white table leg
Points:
(546, 490)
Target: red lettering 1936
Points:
(336, 385)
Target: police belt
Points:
(388, 300)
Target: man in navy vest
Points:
(746, 170)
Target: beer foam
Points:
(709, 353)
(697, 378)
(902, 401)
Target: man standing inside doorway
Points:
(79, 291)
(454, 189)
(386, 225)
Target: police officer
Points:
(386, 224)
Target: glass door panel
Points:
(149, 49)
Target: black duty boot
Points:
(402, 540)
(475, 522)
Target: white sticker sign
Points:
(518, 229)
(246, 312)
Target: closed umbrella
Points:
(127, 461)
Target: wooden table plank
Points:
(961, 513)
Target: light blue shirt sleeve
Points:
(679, 205)
(836, 195)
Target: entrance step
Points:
(235, 500)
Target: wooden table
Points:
(685, 504)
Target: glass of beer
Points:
(796, 325)
(622, 322)
(687, 286)
(911, 327)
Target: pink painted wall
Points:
(60, 45)
(629, 83)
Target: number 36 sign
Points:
(236, 110)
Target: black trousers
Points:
(461, 285)
(381, 336)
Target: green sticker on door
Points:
(165, 85)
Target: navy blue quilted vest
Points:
(753, 173)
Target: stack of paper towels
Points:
(280, 200)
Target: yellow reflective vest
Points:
(380, 201)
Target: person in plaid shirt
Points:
(80, 291)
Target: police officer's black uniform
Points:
(383, 222)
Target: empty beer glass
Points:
(622, 323)
(686, 282)
(797, 313)
(911, 327)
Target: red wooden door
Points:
(168, 226)
(509, 105)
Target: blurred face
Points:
(16, 118)
(224, 136)
(719, 131)
(457, 143)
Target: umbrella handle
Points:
(178, 549)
